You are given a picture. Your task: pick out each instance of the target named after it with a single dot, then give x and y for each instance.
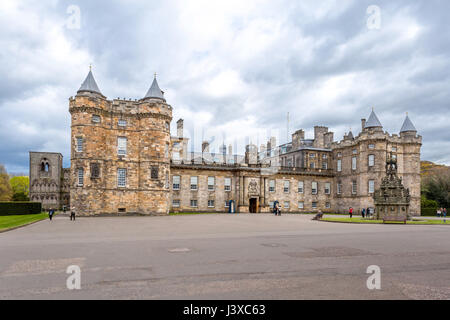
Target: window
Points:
(355, 151)
(271, 204)
(327, 205)
(121, 177)
(339, 154)
(394, 149)
(314, 205)
(210, 203)
(339, 188)
(79, 144)
(324, 157)
(301, 204)
(353, 163)
(312, 165)
(211, 183)
(286, 187)
(154, 173)
(312, 155)
(354, 187)
(194, 203)
(176, 182)
(371, 160)
(339, 165)
(194, 183)
(167, 180)
(324, 165)
(327, 187)
(227, 184)
(271, 185)
(121, 146)
(314, 187)
(371, 186)
(176, 203)
(96, 118)
(95, 170)
(176, 155)
(80, 177)
(286, 204)
(166, 150)
(227, 204)
(300, 187)
(122, 123)
(371, 146)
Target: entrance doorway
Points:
(253, 207)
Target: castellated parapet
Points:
(120, 155)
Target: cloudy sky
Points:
(231, 69)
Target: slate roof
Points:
(155, 91)
(407, 125)
(89, 84)
(373, 121)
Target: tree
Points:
(437, 187)
(20, 188)
(5, 187)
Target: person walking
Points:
(50, 213)
(438, 212)
(368, 213)
(444, 212)
(350, 212)
(363, 211)
(72, 214)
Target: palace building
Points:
(124, 160)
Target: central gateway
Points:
(253, 207)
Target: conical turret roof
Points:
(155, 91)
(407, 125)
(373, 121)
(89, 84)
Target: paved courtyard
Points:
(223, 257)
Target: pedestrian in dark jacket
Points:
(363, 211)
(50, 213)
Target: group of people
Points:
(441, 212)
(52, 211)
(365, 213)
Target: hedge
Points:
(428, 212)
(19, 207)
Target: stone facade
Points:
(124, 161)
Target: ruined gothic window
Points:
(154, 173)
(95, 170)
(121, 177)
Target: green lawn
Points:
(186, 213)
(361, 220)
(8, 222)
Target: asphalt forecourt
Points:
(223, 256)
